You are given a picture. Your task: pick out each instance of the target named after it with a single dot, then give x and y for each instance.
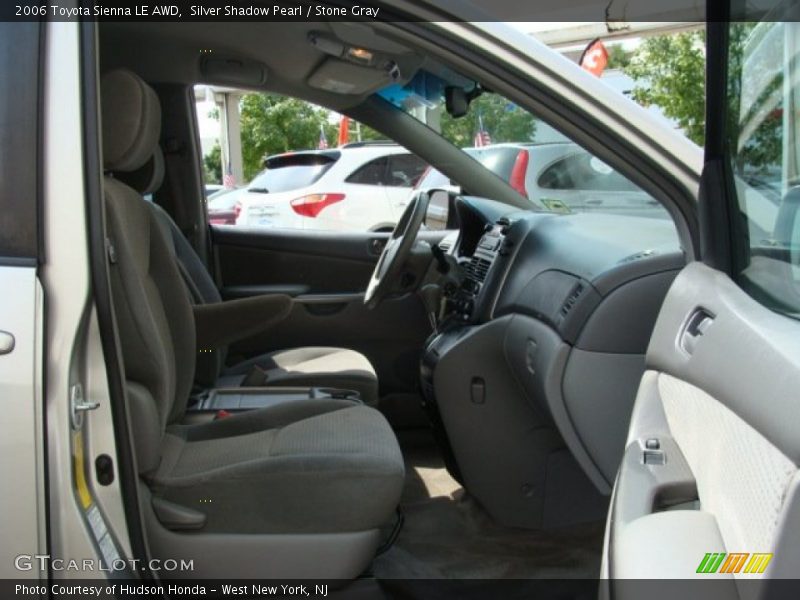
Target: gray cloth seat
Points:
(300, 467)
(311, 366)
(321, 467)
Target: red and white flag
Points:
(594, 58)
(344, 131)
(482, 137)
(228, 180)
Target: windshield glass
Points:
(528, 154)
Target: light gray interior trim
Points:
(639, 550)
(748, 358)
(787, 549)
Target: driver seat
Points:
(316, 366)
(294, 490)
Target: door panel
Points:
(327, 274)
(724, 410)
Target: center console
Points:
(473, 300)
(467, 307)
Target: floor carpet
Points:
(446, 534)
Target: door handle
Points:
(696, 326)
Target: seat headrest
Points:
(131, 121)
(148, 178)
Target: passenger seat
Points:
(296, 490)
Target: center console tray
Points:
(249, 398)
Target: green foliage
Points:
(670, 73)
(212, 165)
(272, 124)
(618, 57)
(505, 122)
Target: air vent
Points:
(478, 268)
(571, 300)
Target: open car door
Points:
(709, 486)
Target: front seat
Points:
(311, 366)
(295, 490)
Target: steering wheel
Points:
(397, 250)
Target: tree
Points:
(212, 165)
(618, 57)
(503, 120)
(271, 124)
(669, 71)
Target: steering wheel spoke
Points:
(396, 251)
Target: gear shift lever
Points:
(431, 295)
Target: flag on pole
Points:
(323, 141)
(344, 130)
(594, 58)
(482, 137)
(228, 180)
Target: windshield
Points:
(287, 172)
(528, 154)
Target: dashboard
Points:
(534, 368)
(555, 268)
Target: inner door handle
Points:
(696, 326)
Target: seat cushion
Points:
(313, 367)
(303, 467)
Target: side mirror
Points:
(456, 101)
(437, 217)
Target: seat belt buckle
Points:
(222, 414)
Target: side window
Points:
(273, 161)
(764, 146)
(405, 170)
(584, 172)
(375, 172)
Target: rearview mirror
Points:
(456, 101)
(438, 213)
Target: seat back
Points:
(152, 307)
(201, 287)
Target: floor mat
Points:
(448, 535)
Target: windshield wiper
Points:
(258, 190)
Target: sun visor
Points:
(342, 77)
(236, 72)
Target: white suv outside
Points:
(362, 186)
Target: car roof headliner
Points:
(171, 52)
